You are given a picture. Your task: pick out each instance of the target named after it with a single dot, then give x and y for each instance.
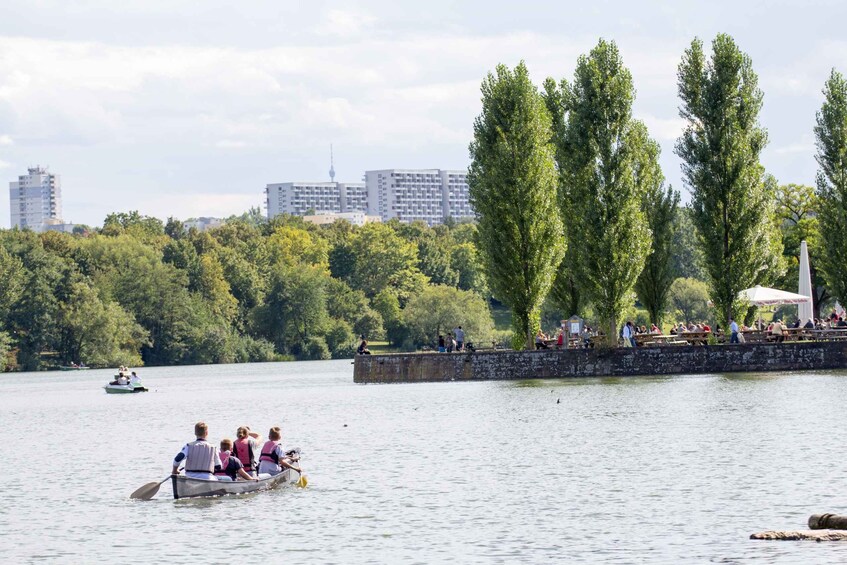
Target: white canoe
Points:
(188, 487)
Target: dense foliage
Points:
(607, 165)
(137, 291)
(831, 136)
(512, 181)
(731, 204)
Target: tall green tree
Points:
(512, 181)
(603, 154)
(659, 205)
(831, 138)
(440, 308)
(720, 148)
(565, 292)
(687, 259)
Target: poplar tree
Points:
(600, 147)
(660, 207)
(565, 292)
(512, 181)
(720, 148)
(831, 141)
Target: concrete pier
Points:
(620, 362)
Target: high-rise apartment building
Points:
(298, 198)
(36, 200)
(430, 195)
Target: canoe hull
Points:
(187, 487)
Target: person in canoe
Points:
(247, 445)
(231, 467)
(274, 458)
(201, 458)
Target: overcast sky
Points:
(189, 108)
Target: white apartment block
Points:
(36, 200)
(430, 195)
(298, 198)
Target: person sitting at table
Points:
(777, 331)
(706, 327)
(654, 329)
(810, 325)
(560, 338)
(841, 323)
(540, 341)
(796, 323)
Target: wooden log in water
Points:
(816, 535)
(827, 522)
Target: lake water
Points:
(658, 470)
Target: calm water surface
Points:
(659, 470)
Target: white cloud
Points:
(344, 23)
(4, 165)
(6, 140)
(663, 129)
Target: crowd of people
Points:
(235, 459)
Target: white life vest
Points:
(201, 457)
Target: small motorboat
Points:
(124, 389)
(73, 368)
(189, 487)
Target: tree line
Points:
(573, 206)
(139, 290)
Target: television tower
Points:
(331, 165)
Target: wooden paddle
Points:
(149, 490)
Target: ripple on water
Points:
(662, 469)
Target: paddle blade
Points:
(146, 492)
(302, 482)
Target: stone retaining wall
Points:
(552, 364)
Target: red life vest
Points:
(243, 450)
(225, 455)
(269, 452)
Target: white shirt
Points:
(627, 332)
(733, 327)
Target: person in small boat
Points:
(246, 446)
(135, 380)
(231, 467)
(122, 380)
(201, 458)
(274, 458)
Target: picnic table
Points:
(695, 338)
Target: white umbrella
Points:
(764, 296)
(804, 309)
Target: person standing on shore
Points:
(733, 331)
(460, 338)
(201, 459)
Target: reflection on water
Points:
(620, 470)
